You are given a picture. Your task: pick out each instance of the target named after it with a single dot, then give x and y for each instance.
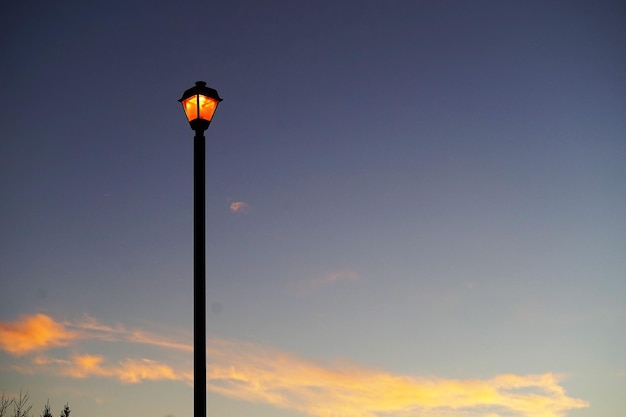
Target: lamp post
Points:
(199, 103)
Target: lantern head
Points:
(199, 103)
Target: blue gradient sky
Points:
(430, 220)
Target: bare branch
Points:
(4, 404)
(21, 408)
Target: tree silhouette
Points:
(46, 410)
(21, 406)
(66, 410)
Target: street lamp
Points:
(199, 103)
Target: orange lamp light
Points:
(199, 103)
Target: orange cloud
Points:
(252, 373)
(239, 207)
(40, 332)
(33, 333)
(134, 371)
(86, 365)
(129, 371)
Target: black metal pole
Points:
(199, 275)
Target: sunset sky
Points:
(414, 208)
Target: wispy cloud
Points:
(251, 372)
(344, 275)
(129, 370)
(89, 328)
(239, 207)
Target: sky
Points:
(414, 208)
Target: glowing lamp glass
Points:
(199, 103)
(199, 107)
